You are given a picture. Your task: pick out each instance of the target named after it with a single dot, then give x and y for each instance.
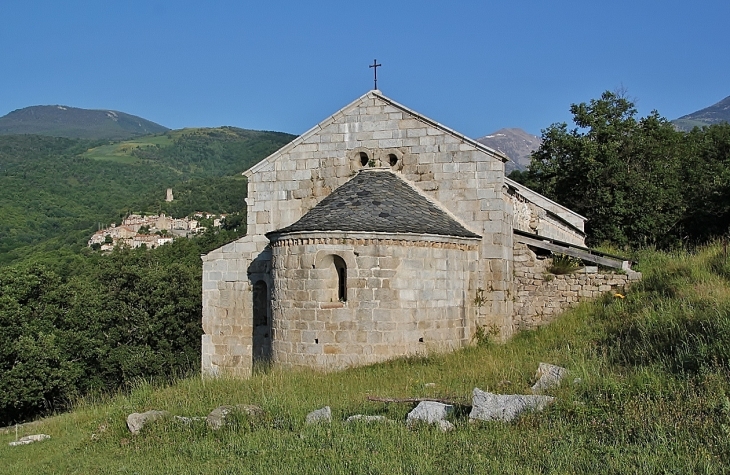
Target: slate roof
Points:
(378, 201)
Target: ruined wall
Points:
(542, 296)
(533, 219)
(404, 296)
(535, 214)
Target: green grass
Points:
(122, 152)
(652, 398)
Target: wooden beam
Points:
(414, 400)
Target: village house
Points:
(382, 233)
(129, 232)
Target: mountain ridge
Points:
(514, 142)
(714, 114)
(74, 122)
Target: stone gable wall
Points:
(403, 297)
(542, 296)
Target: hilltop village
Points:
(138, 230)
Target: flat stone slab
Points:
(320, 415)
(136, 420)
(29, 439)
(488, 406)
(548, 376)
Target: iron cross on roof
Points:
(375, 67)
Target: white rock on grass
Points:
(29, 439)
(548, 376)
(504, 407)
(136, 420)
(320, 415)
(431, 412)
(217, 417)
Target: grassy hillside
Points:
(73, 122)
(55, 191)
(652, 397)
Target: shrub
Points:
(564, 264)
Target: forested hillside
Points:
(76, 321)
(56, 192)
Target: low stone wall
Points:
(542, 296)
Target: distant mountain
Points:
(72, 122)
(517, 144)
(714, 114)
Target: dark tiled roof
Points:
(378, 201)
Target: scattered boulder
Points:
(217, 417)
(504, 407)
(136, 420)
(364, 418)
(29, 439)
(320, 415)
(431, 412)
(548, 376)
(429, 385)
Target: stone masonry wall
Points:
(228, 276)
(542, 296)
(403, 297)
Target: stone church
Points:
(381, 233)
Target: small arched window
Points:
(364, 159)
(341, 268)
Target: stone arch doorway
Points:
(261, 322)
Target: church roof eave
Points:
(274, 236)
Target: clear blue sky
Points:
(475, 66)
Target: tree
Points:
(623, 174)
(707, 182)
